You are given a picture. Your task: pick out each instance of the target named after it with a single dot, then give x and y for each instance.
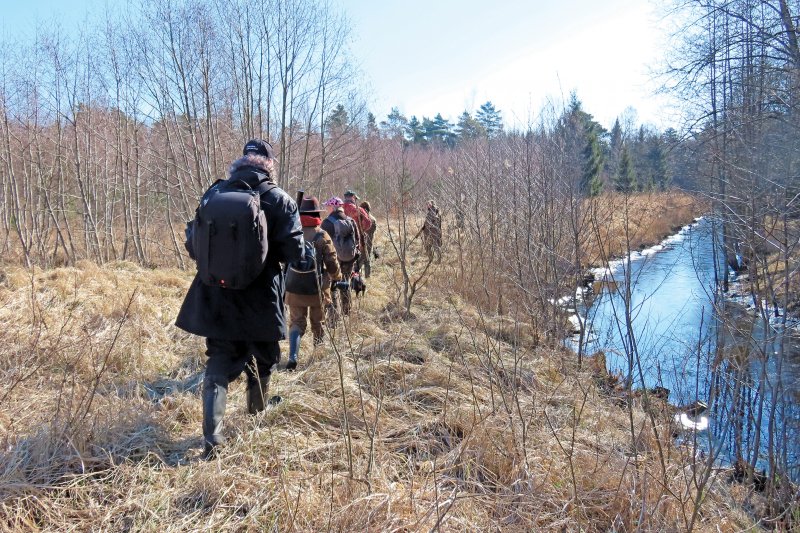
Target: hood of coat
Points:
(338, 213)
(257, 162)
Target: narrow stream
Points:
(677, 336)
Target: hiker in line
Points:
(236, 299)
(369, 240)
(432, 232)
(344, 232)
(308, 282)
(362, 220)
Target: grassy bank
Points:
(620, 223)
(773, 259)
(449, 419)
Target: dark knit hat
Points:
(310, 205)
(259, 147)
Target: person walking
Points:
(432, 232)
(362, 220)
(242, 319)
(308, 282)
(369, 240)
(346, 238)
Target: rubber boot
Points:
(346, 300)
(257, 393)
(215, 395)
(294, 349)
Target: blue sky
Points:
(450, 55)
(430, 56)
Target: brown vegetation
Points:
(452, 419)
(633, 222)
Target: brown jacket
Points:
(326, 251)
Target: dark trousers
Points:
(347, 271)
(228, 359)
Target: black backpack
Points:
(229, 234)
(305, 276)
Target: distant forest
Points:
(110, 135)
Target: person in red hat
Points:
(308, 282)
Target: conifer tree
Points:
(614, 148)
(625, 180)
(372, 126)
(338, 120)
(591, 183)
(659, 175)
(490, 119)
(395, 124)
(414, 131)
(442, 131)
(469, 128)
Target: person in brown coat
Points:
(369, 240)
(432, 232)
(310, 297)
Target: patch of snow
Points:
(700, 424)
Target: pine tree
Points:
(395, 124)
(414, 131)
(659, 175)
(372, 126)
(442, 131)
(490, 118)
(338, 120)
(579, 138)
(591, 184)
(638, 152)
(468, 127)
(625, 180)
(614, 148)
(429, 129)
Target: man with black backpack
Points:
(346, 238)
(308, 281)
(244, 228)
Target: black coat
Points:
(255, 313)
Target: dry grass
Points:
(637, 221)
(774, 276)
(447, 420)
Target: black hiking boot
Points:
(257, 393)
(215, 395)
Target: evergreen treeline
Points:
(625, 161)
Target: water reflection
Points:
(746, 369)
